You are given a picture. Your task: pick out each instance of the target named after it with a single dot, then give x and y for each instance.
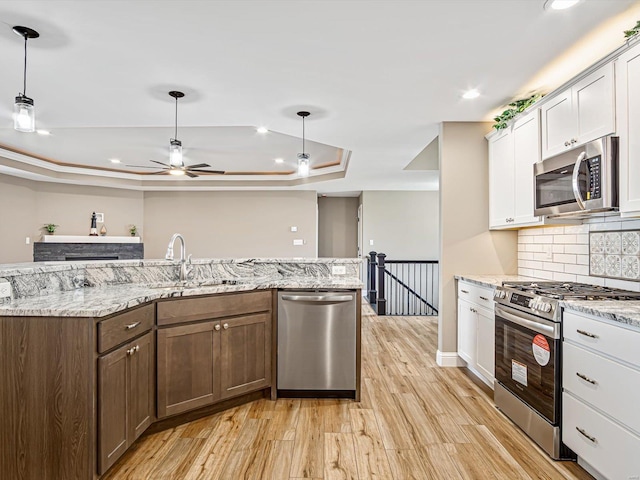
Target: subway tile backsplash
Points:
(600, 253)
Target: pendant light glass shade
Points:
(175, 153)
(24, 115)
(303, 165)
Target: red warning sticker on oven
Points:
(541, 350)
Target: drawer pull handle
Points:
(587, 334)
(131, 326)
(586, 435)
(586, 379)
(463, 291)
(484, 298)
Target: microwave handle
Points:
(574, 180)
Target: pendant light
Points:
(303, 158)
(24, 115)
(175, 145)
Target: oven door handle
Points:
(574, 180)
(530, 322)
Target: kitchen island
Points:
(79, 345)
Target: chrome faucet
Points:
(184, 260)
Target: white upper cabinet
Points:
(579, 114)
(512, 153)
(628, 117)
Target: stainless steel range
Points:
(528, 336)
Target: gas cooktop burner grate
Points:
(579, 291)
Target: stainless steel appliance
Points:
(528, 342)
(578, 182)
(317, 343)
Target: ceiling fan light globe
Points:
(24, 115)
(176, 171)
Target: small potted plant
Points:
(50, 228)
(133, 230)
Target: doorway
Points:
(338, 227)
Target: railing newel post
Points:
(372, 294)
(381, 303)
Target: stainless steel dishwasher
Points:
(316, 343)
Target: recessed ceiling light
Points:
(560, 4)
(114, 160)
(262, 129)
(469, 94)
(43, 132)
(279, 160)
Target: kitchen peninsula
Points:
(79, 345)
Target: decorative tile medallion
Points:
(615, 254)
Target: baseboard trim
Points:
(449, 359)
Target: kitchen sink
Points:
(181, 286)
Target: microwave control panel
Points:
(595, 178)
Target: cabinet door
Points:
(526, 152)
(628, 114)
(188, 366)
(141, 385)
(500, 180)
(112, 407)
(245, 361)
(486, 344)
(467, 332)
(558, 124)
(593, 100)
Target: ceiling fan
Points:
(176, 164)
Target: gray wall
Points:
(466, 244)
(232, 223)
(402, 224)
(215, 224)
(338, 227)
(28, 205)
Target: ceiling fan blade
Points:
(160, 172)
(140, 166)
(217, 172)
(163, 164)
(198, 165)
(189, 174)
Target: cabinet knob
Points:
(130, 352)
(574, 140)
(217, 327)
(566, 144)
(225, 326)
(137, 348)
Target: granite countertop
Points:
(105, 300)
(493, 281)
(622, 311)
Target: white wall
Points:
(402, 224)
(338, 227)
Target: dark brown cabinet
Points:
(188, 366)
(218, 357)
(125, 397)
(245, 354)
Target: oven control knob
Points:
(532, 304)
(500, 294)
(545, 307)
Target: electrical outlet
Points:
(294, 229)
(371, 243)
(27, 240)
(548, 252)
(298, 241)
(338, 270)
(5, 289)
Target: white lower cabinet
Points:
(476, 330)
(601, 387)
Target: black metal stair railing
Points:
(402, 287)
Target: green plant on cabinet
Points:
(517, 107)
(50, 228)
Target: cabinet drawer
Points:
(605, 384)
(476, 294)
(612, 450)
(121, 328)
(618, 342)
(216, 306)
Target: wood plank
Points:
(308, 446)
(339, 457)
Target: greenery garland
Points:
(633, 32)
(517, 107)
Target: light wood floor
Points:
(415, 421)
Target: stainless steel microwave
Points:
(578, 182)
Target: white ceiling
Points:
(377, 77)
